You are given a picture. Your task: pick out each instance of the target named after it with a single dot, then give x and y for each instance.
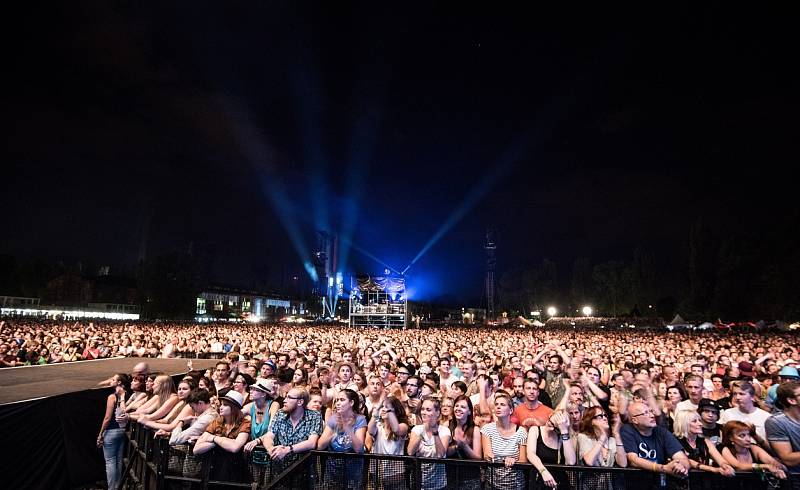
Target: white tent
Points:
(677, 320)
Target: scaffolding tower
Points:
(378, 301)
(491, 261)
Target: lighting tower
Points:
(490, 247)
(325, 263)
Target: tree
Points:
(610, 280)
(581, 287)
(168, 286)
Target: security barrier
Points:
(153, 464)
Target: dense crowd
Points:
(663, 402)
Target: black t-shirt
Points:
(285, 375)
(699, 453)
(724, 403)
(714, 434)
(544, 399)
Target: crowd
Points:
(666, 403)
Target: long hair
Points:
(400, 413)
(151, 393)
(236, 410)
(363, 383)
(469, 424)
(303, 377)
(353, 397)
(587, 418)
(356, 400)
(165, 390)
(210, 386)
(681, 390)
(190, 382)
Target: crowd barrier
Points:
(153, 464)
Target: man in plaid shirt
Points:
(294, 430)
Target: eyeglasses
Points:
(646, 412)
(293, 397)
(600, 416)
(402, 372)
(412, 385)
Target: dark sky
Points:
(241, 127)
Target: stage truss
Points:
(378, 301)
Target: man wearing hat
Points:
(267, 368)
(787, 373)
(709, 411)
(746, 370)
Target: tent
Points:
(677, 320)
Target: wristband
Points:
(435, 434)
(564, 437)
(756, 466)
(291, 448)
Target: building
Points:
(224, 303)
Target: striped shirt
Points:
(505, 446)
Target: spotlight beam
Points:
(261, 155)
(484, 185)
(555, 112)
(371, 256)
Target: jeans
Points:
(113, 447)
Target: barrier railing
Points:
(153, 464)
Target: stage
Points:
(27, 383)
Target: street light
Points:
(551, 311)
(587, 311)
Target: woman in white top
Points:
(430, 440)
(504, 441)
(598, 447)
(386, 434)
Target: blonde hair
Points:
(682, 420)
(166, 387)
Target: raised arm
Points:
(530, 452)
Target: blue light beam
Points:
(261, 157)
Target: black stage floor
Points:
(31, 382)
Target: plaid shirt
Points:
(285, 434)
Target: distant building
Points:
(19, 302)
(224, 303)
(77, 296)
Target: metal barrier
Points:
(153, 464)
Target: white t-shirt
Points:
(433, 475)
(686, 405)
(446, 382)
(476, 399)
(757, 418)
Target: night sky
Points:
(242, 127)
